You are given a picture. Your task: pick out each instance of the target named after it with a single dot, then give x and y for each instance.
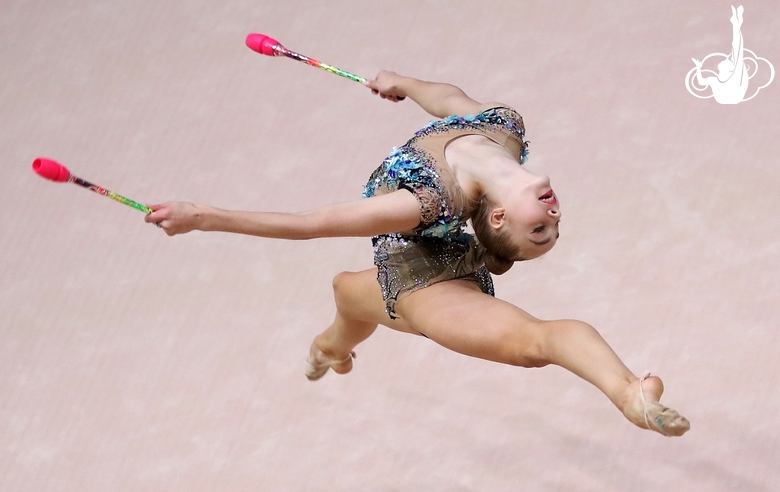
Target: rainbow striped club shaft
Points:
(280, 50)
(110, 194)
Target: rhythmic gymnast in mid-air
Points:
(731, 84)
(431, 277)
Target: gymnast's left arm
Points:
(393, 212)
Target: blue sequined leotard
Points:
(438, 249)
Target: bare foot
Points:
(321, 359)
(644, 409)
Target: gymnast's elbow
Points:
(299, 226)
(323, 223)
(314, 224)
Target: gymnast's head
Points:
(725, 70)
(521, 225)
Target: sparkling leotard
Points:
(438, 249)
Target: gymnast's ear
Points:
(497, 218)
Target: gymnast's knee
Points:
(346, 293)
(529, 357)
(341, 286)
(526, 351)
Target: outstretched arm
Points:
(438, 99)
(393, 212)
(701, 80)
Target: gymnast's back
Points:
(420, 166)
(439, 248)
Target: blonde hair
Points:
(500, 252)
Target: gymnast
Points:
(731, 84)
(432, 277)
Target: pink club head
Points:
(50, 169)
(261, 43)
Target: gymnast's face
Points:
(725, 69)
(533, 214)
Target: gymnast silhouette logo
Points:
(730, 84)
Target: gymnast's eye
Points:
(538, 230)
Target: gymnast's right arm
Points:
(393, 212)
(438, 99)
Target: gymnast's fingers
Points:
(160, 212)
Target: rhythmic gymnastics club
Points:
(54, 171)
(271, 47)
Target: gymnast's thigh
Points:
(359, 297)
(458, 315)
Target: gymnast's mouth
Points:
(549, 198)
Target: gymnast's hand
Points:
(175, 217)
(386, 84)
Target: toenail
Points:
(660, 422)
